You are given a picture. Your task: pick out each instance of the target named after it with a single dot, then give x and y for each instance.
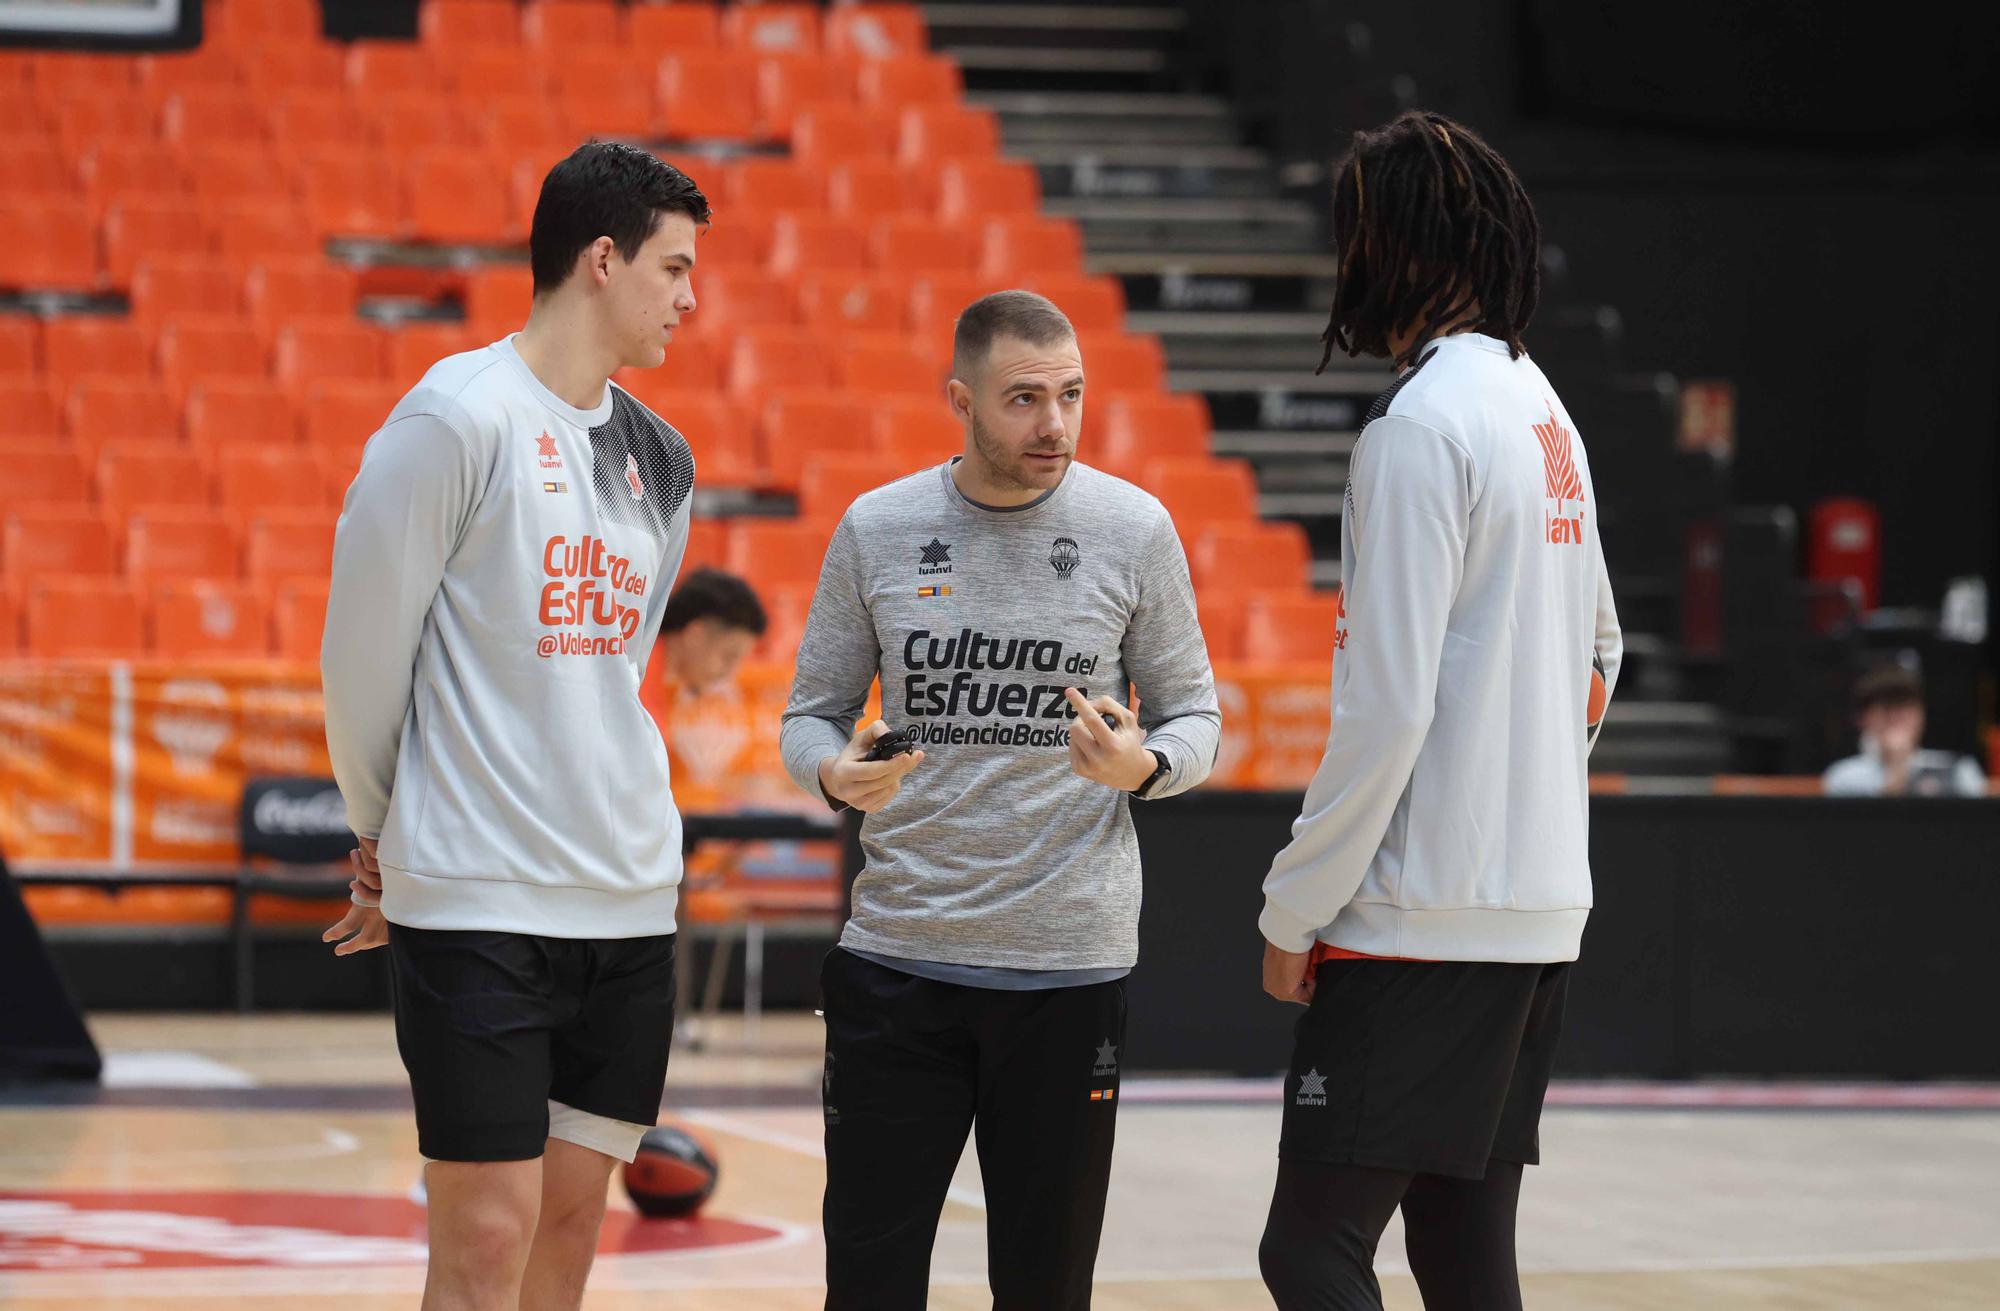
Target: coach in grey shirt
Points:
(1006, 599)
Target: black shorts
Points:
(494, 1026)
(1433, 1067)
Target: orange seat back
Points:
(200, 619)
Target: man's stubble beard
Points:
(993, 457)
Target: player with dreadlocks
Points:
(1437, 880)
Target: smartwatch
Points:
(1155, 780)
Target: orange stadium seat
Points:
(605, 97)
(790, 84)
(516, 124)
(775, 552)
(135, 475)
(889, 364)
(55, 539)
(818, 243)
(744, 298)
(1018, 248)
(692, 365)
(707, 545)
(206, 69)
(172, 286)
(83, 120)
(827, 134)
(921, 246)
(912, 79)
(856, 302)
(111, 170)
(880, 186)
(457, 198)
(349, 193)
(304, 65)
(1124, 362)
(343, 415)
(278, 290)
(384, 67)
(413, 348)
(311, 349)
(831, 482)
(264, 231)
(786, 608)
(497, 298)
(44, 471)
(281, 544)
(255, 475)
(102, 409)
(445, 23)
(938, 299)
(193, 347)
(723, 441)
(267, 22)
(934, 133)
(224, 410)
(10, 628)
(209, 619)
(657, 30)
(411, 123)
(29, 406)
(36, 167)
(1200, 492)
(1297, 627)
(917, 431)
(1139, 427)
(772, 28)
(148, 227)
(167, 543)
(298, 618)
(796, 426)
(1094, 304)
(59, 73)
(481, 73)
(742, 238)
(876, 31)
(764, 358)
(83, 618)
(975, 189)
(82, 345)
(567, 24)
(192, 118)
(1262, 554)
(707, 96)
(20, 344)
(774, 184)
(50, 243)
(320, 119)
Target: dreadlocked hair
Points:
(1433, 231)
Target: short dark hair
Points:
(1020, 314)
(604, 189)
(712, 594)
(1886, 686)
(1429, 221)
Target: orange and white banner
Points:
(128, 765)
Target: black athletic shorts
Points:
(494, 1026)
(1434, 1067)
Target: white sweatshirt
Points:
(1449, 819)
(500, 570)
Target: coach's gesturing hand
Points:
(1112, 753)
(866, 785)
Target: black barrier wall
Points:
(1731, 936)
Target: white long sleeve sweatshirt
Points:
(1449, 818)
(500, 571)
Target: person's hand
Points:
(1288, 975)
(367, 871)
(1110, 752)
(866, 785)
(360, 929)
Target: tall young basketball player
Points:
(500, 572)
(1006, 599)
(1438, 880)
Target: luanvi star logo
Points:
(934, 559)
(1312, 1088)
(1107, 1059)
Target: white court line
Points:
(803, 1146)
(170, 1069)
(332, 1142)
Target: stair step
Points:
(1176, 292)
(1091, 176)
(1103, 104)
(1094, 135)
(1065, 19)
(1257, 444)
(1219, 264)
(1038, 59)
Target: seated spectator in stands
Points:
(711, 622)
(1889, 706)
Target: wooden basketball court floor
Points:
(267, 1162)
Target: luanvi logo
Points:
(933, 559)
(1312, 1088)
(1107, 1059)
(1561, 482)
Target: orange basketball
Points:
(1600, 695)
(673, 1174)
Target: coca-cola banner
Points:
(301, 820)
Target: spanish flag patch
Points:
(1103, 1094)
(555, 487)
(933, 591)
